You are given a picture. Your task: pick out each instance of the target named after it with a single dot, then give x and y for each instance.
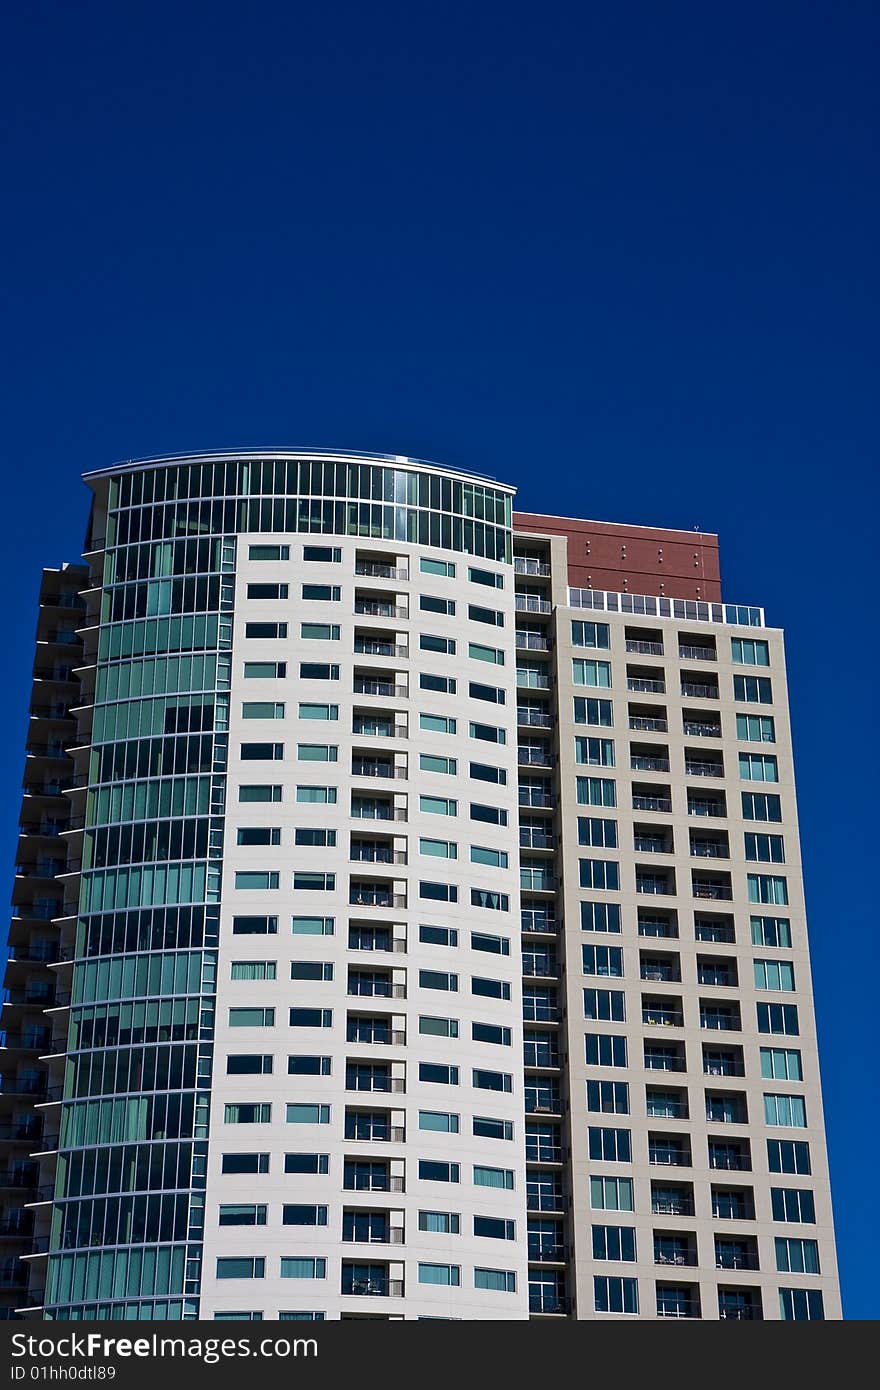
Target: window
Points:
(316, 796)
(768, 888)
(610, 1145)
(438, 1074)
(253, 970)
(596, 791)
(258, 835)
(437, 723)
(765, 849)
(322, 554)
(612, 1294)
(267, 591)
(307, 882)
(492, 694)
(761, 806)
(488, 733)
(438, 1027)
(429, 603)
(318, 671)
(781, 1064)
(487, 577)
(493, 1177)
(326, 593)
(274, 630)
(778, 1018)
(254, 926)
(438, 805)
(438, 979)
(301, 1064)
(604, 1004)
(251, 1018)
(590, 711)
(317, 752)
(244, 1163)
(294, 1215)
(430, 643)
(600, 917)
(268, 552)
(302, 1267)
(259, 793)
(599, 833)
(265, 670)
(774, 974)
(490, 1033)
(308, 835)
(614, 1243)
(495, 902)
(306, 1163)
(438, 936)
(492, 616)
(494, 655)
(311, 970)
(432, 1171)
(262, 752)
(439, 1121)
(306, 1113)
(605, 1050)
(747, 651)
(771, 931)
(319, 632)
(611, 1194)
(494, 858)
(494, 1228)
(758, 767)
(756, 728)
(429, 762)
(793, 1204)
(596, 674)
(494, 945)
(438, 892)
(243, 1267)
(246, 1214)
(489, 989)
(491, 1080)
(754, 690)
(594, 752)
(440, 1274)
(602, 960)
(483, 772)
(787, 1111)
(311, 926)
(801, 1305)
(444, 568)
(788, 1156)
(446, 1223)
(795, 1256)
(310, 1018)
(490, 815)
(484, 1127)
(444, 684)
(590, 635)
(499, 1280)
(438, 849)
(599, 873)
(246, 1113)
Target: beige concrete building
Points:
(408, 920)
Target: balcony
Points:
(648, 762)
(533, 718)
(702, 848)
(684, 1308)
(364, 685)
(532, 642)
(382, 1288)
(706, 806)
(355, 1180)
(663, 804)
(647, 685)
(699, 690)
(720, 930)
(533, 838)
(646, 883)
(666, 1155)
(375, 569)
(652, 844)
(716, 892)
(378, 728)
(739, 1312)
(548, 1303)
(546, 1252)
(696, 653)
(531, 678)
(522, 565)
(543, 1199)
(729, 1160)
(664, 1059)
(659, 1017)
(371, 1033)
(366, 767)
(376, 854)
(701, 768)
(702, 728)
(721, 1020)
(648, 723)
(377, 608)
(532, 796)
(534, 756)
(672, 1206)
(362, 809)
(636, 644)
(530, 603)
(537, 919)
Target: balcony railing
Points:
(652, 803)
(532, 680)
(668, 1206)
(648, 724)
(365, 686)
(534, 757)
(533, 718)
(366, 897)
(710, 849)
(719, 892)
(369, 569)
(372, 729)
(651, 844)
(536, 839)
(367, 608)
(362, 768)
(663, 1018)
(636, 644)
(361, 854)
(548, 1303)
(699, 691)
(654, 885)
(730, 1163)
(532, 642)
(696, 729)
(382, 1288)
(688, 653)
(646, 686)
(529, 796)
(705, 808)
(525, 566)
(528, 603)
(539, 1253)
(641, 762)
(366, 647)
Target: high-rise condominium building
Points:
(408, 918)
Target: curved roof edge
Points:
(288, 451)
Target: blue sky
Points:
(622, 255)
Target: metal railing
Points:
(648, 724)
(698, 691)
(638, 645)
(368, 569)
(652, 803)
(532, 642)
(529, 603)
(640, 762)
(645, 686)
(689, 653)
(535, 567)
(364, 686)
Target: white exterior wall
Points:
(271, 1295)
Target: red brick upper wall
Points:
(633, 559)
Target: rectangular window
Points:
(259, 793)
(612, 1294)
(244, 1163)
(438, 979)
(447, 1223)
(319, 632)
(265, 670)
(596, 674)
(438, 936)
(242, 1267)
(272, 630)
(793, 1204)
(611, 1194)
(761, 806)
(306, 1113)
(483, 772)
(253, 880)
(321, 593)
(594, 752)
(437, 723)
(590, 635)
(493, 945)
(614, 1243)
(494, 858)
(429, 642)
(317, 796)
(753, 690)
(305, 1064)
(254, 926)
(608, 1097)
(322, 554)
(494, 655)
(310, 1018)
(267, 591)
(602, 960)
(605, 1050)
(774, 974)
(438, 892)
(756, 728)
(311, 926)
(258, 835)
(488, 733)
(311, 970)
(771, 931)
(492, 1080)
(430, 762)
(492, 616)
(758, 767)
(610, 1145)
(253, 970)
(431, 1171)
(314, 836)
(438, 1074)
(489, 815)
(600, 917)
(778, 1018)
(596, 791)
(491, 694)
(489, 578)
(498, 1280)
(445, 685)
(249, 1064)
(307, 882)
(490, 1033)
(247, 1113)
(794, 1256)
(493, 1177)
(484, 1127)
(768, 888)
(262, 752)
(789, 1112)
(318, 671)
(448, 1275)
(599, 873)
(781, 1064)
(245, 1214)
(430, 603)
(789, 1156)
(597, 832)
(268, 552)
(593, 711)
(310, 1215)
(440, 1121)
(765, 849)
(444, 568)
(438, 1027)
(494, 1228)
(302, 1267)
(317, 752)
(495, 902)
(262, 709)
(604, 1004)
(801, 1305)
(747, 651)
